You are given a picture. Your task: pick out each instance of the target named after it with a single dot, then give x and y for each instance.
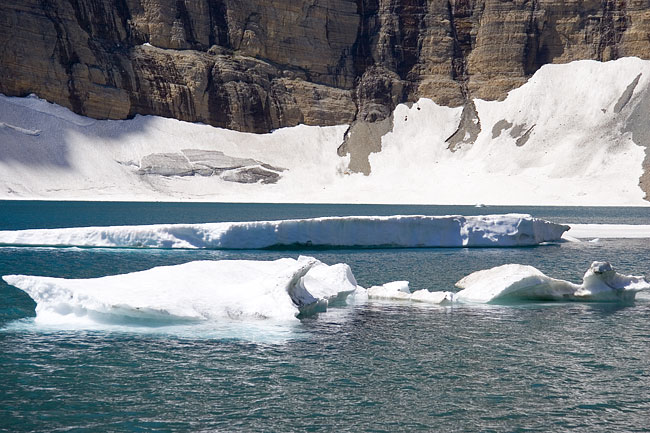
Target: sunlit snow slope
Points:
(573, 135)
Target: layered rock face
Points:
(244, 65)
(254, 65)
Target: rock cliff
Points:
(255, 65)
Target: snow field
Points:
(192, 292)
(553, 141)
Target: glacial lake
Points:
(375, 366)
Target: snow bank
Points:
(572, 146)
(192, 292)
(526, 283)
(374, 231)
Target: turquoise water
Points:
(368, 367)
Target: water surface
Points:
(381, 366)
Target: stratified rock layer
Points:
(258, 65)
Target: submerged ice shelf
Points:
(609, 231)
(359, 231)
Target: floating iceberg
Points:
(282, 290)
(507, 230)
(525, 283)
(191, 292)
(513, 283)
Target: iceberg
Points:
(515, 282)
(410, 231)
(236, 291)
(197, 291)
(520, 283)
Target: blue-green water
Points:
(367, 367)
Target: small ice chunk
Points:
(399, 290)
(513, 281)
(438, 297)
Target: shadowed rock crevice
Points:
(533, 56)
(184, 23)
(408, 40)
(611, 28)
(361, 49)
(65, 53)
(460, 19)
(218, 32)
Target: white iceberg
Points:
(356, 231)
(514, 282)
(395, 290)
(192, 292)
